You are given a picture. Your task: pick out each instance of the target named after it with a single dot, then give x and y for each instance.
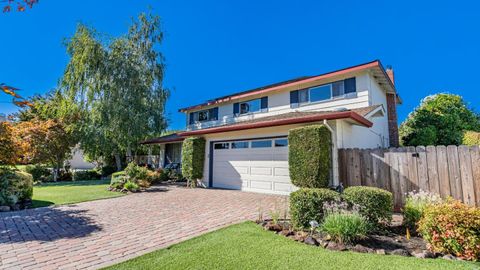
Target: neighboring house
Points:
(77, 161)
(246, 132)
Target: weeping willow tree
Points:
(118, 85)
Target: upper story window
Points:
(339, 89)
(203, 116)
(251, 106)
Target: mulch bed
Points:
(391, 240)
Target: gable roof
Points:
(379, 73)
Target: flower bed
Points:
(360, 220)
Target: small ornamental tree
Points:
(310, 156)
(471, 138)
(9, 150)
(193, 157)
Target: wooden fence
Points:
(445, 170)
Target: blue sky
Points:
(215, 48)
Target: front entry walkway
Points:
(99, 233)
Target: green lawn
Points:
(71, 192)
(248, 246)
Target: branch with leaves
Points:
(17, 99)
(21, 5)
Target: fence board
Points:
(412, 169)
(403, 176)
(454, 172)
(443, 178)
(356, 172)
(467, 175)
(448, 171)
(422, 168)
(432, 169)
(475, 154)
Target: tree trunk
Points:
(129, 154)
(118, 161)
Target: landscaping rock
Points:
(273, 227)
(16, 207)
(286, 232)
(400, 252)
(424, 254)
(4, 208)
(336, 246)
(449, 257)
(380, 251)
(361, 249)
(311, 241)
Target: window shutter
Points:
(264, 104)
(350, 85)
(191, 119)
(236, 109)
(213, 112)
(294, 99)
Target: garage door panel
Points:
(285, 187)
(281, 172)
(263, 169)
(260, 171)
(261, 185)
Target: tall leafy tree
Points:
(119, 86)
(440, 119)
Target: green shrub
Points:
(415, 204)
(306, 204)
(39, 173)
(86, 175)
(15, 186)
(345, 227)
(131, 186)
(309, 157)
(375, 204)
(471, 138)
(135, 172)
(452, 227)
(193, 158)
(117, 177)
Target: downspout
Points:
(336, 181)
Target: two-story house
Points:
(246, 132)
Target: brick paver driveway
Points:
(100, 233)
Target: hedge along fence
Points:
(310, 156)
(193, 158)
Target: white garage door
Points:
(254, 165)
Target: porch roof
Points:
(170, 138)
(357, 116)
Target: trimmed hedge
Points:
(15, 187)
(471, 138)
(86, 175)
(306, 204)
(309, 156)
(193, 158)
(375, 204)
